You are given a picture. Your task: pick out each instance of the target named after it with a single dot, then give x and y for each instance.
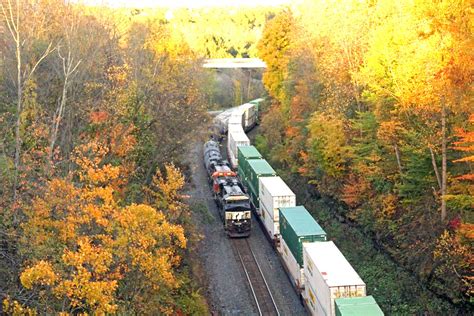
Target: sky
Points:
(183, 3)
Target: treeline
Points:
(372, 105)
(212, 32)
(94, 111)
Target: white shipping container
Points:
(235, 121)
(296, 272)
(222, 120)
(309, 296)
(236, 128)
(237, 116)
(235, 139)
(328, 275)
(271, 226)
(273, 194)
(249, 115)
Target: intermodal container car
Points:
(236, 138)
(273, 194)
(246, 153)
(258, 103)
(297, 226)
(249, 117)
(257, 168)
(328, 275)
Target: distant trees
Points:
(369, 98)
(204, 31)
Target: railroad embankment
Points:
(397, 290)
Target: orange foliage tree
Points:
(87, 251)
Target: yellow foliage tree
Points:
(423, 67)
(328, 144)
(87, 252)
(277, 39)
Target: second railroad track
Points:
(260, 290)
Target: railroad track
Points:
(261, 292)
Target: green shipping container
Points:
(298, 226)
(357, 306)
(244, 154)
(257, 168)
(257, 102)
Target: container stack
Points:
(273, 194)
(249, 116)
(246, 153)
(297, 227)
(251, 172)
(236, 118)
(319, 271)
(328, 275)
(235, 140)
(257, 103)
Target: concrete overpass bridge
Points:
(220, 63)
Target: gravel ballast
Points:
(227, 290)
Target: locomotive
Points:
(228, 192)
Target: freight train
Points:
(325, 280)
(229, 194)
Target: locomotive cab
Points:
(235, 207)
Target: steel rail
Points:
(260, 290)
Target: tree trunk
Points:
(68, 71)
(57, 120)
(435, 167)
(248, 84)
(16, 38)
(12, 20)
(444, 160)
(399, 161)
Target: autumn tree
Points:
(453, 251)
(90, 134)
(369, 96)
(169, 91)
(438, 45)
(328, 145)
(277, 39)
(86, 252)
(14, 16)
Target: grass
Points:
(202, 210)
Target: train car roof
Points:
(261, 166)
(276, 186)
(333, 265)
(239, 136)
(301, 221)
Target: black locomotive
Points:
(228, 191)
